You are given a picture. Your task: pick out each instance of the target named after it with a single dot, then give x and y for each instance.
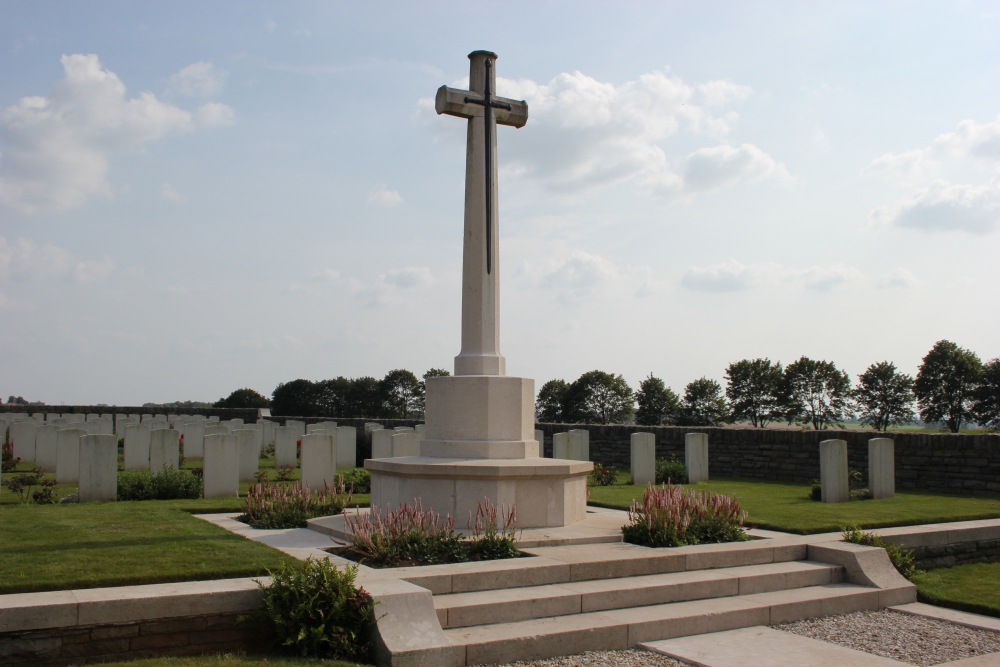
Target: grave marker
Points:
(68, 455)
(347, 447)
(882, 467)
(285, 447)
(696, 457)
(319, 462)
(22, 435)
(164, 450)
(98, 472)
(833, 471)
(137, 439)
(249, 460)
(643, 461)
(46, 447)
(222, 466)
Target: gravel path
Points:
(630, 658)
(913, 639)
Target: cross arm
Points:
(451, 101)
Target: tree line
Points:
(953, 386)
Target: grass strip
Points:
(974, 588)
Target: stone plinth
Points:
(164, 450)
(347, 447)
(833, 471)
(319, 460)
(222, 466)
(381, 443)
(46, 446)
(285, 450)
(546, 492)
(882, 467)
(696, 457)
(643, 461)
(68, 455)
(98, 468)
(249, 457)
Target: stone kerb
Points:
(98, 468)
(643, 459)
(833, 472)
(881, 468)
(696, 457)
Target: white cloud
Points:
(971, 139)
(167, 192)
(384, 197)
(22, 260)
(391, 287)
(585, 134)
(214, 114)
(734, 276)
(56, 149)
(199, 79)
(579, 277)
(270, 25)
(326, 275)
(944, 207)
(898, 279)
(908, 166)
(719, 166)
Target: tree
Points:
(364, 398)
(295, 399)
(549, 404)
(754, 390)
(331, 397)
(599, 397)
(243, 398)
(986, 407)
(703, 404)
(946, 384)
(818, 393)
(658, 404)
(884, 397)
(401, 394)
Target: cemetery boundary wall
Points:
(931, 462)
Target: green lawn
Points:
(974, 588)
(59, 547)
(232, 661)
(786, 507)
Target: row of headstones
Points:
(575, 445)
(834, 473)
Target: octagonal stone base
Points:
(546, 492)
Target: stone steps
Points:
(614, 629)
(509, 605)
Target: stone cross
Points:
(480, 354)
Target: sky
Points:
(201, 196)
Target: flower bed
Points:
(669, 516)
(271, 506)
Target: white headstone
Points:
(696, 457)
(421, 429)
(160, 418)
(297, 426)
(221, 472)
(147, 418)
(347, 447)
(214, 428)
(92, 416)
(249, 460)
(319, 462)
(22, 435)
(157, 425)
(213, 419)
(194, 440)
(269, 433)
(560, 445)
(164, 450)
(285, 447)
(882, 467)
(405, 443)
(835, 484)
(39, 418)
(137, 446)
(579, 444)
(46, 447)
(68, 455)
(382, 443)
(106, 425)
(98, 472)
(372, 426)
(540, 439)
(120, 424)
(236, 422)
(321, 426)
(643, 461)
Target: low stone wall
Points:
(193, 635)
(947, 545)
(935, 462)
(963, 553)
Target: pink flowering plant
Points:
(669, 516)
(271, 506)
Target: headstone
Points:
(421, 429)
(98, 468)
(221, 472)
(268, 433)
(92, 416)
(214, 419)
(382, 443)
(833, 471)
(285, 447)
(39, 418)
(121, 421)
(540, 439)
(347, 447)
(68, 455)
(560, 445)
(172, 418)
(372, 426)
(106, 425)
(403, 428)
(298, 427)
(696, 457)
(137, 446)
(164, 450)
(882, 467)
(319, 462)
(214, 428)
(236, 422)
(643, 462)
(249, 460)
(135, 418)
(321, 426)
(147, 418)
(194, 440)
(256, 436)
(22, 435)
(405, 443)
(46, 447)
(157, 425)
(579, 444)
(159, 418)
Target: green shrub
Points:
(902, 559)
(603, 475)
(270, 506)
(359, 479)
(22, 484)
(672, 517)
(168, 484)
(816, 491)
(312, 609)
(671, 471)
